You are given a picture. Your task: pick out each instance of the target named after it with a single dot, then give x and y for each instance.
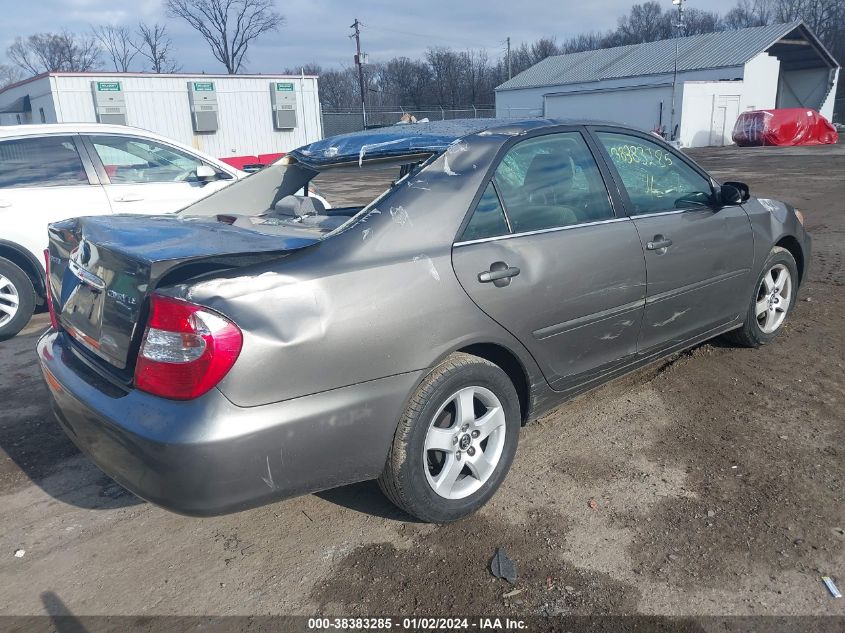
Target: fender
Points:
(34, 269)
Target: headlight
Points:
(800, 216)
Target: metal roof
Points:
(722, 49)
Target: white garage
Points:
(719, 75)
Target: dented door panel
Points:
(700, 281)
(577, 301)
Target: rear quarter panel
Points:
(376, 300)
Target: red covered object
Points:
(266, 159)
(786, 126)
(239, 162)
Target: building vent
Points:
(109, 102)
(203, 99)
(283, 102)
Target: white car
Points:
(56, 171)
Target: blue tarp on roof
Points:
(434, 136)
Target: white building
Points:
(221, 115)
(719, 76)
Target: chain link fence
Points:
(341, 122)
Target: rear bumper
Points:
(208, 456)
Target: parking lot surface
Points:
(708, 483)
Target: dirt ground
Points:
(717, 477)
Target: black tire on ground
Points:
(750, 334)
(26, 298)
(404, 479)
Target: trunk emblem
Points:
(80, 256)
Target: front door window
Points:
(656, 180)
(129, 160)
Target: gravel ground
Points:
(717, 477)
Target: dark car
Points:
(262, 344)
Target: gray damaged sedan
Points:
(266, 342)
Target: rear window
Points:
(274, 199)
(49, 161)
(347, 187)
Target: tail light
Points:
(48, 290)
(187, 349)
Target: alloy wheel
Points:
(9, 300)
(464, 442)
(773, 298)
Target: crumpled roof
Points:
(710, 50)
(396, 140)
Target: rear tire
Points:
(771, 302)
(455, 442)
(17, 299)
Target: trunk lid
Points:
(103, 269)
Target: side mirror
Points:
(728, 196)
(739, 187)
(206, 173)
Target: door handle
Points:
(659, 243)
(500, 274)
(4, 204)
(129, 197)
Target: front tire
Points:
(455, 442)
(17, 299)
(774, 295)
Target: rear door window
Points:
(552, 181)
(488, 219)
(47, 161)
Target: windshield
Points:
(285, 199)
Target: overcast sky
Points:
(318, 30)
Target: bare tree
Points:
(645, 23)
(118, 44)
(406, 82)
(154, 45)
(440, 61)
(748, 13)
(825, 17)
(9, 75)
(586, 42)
(697, 22)
(478, 70)
(54, 52)
(521, 58)
(228, 26)
(338, 88)
(542, 48)
(311, 68)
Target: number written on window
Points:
(655, 180)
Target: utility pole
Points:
(680, 34)
(509, 58)
(360, 60)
